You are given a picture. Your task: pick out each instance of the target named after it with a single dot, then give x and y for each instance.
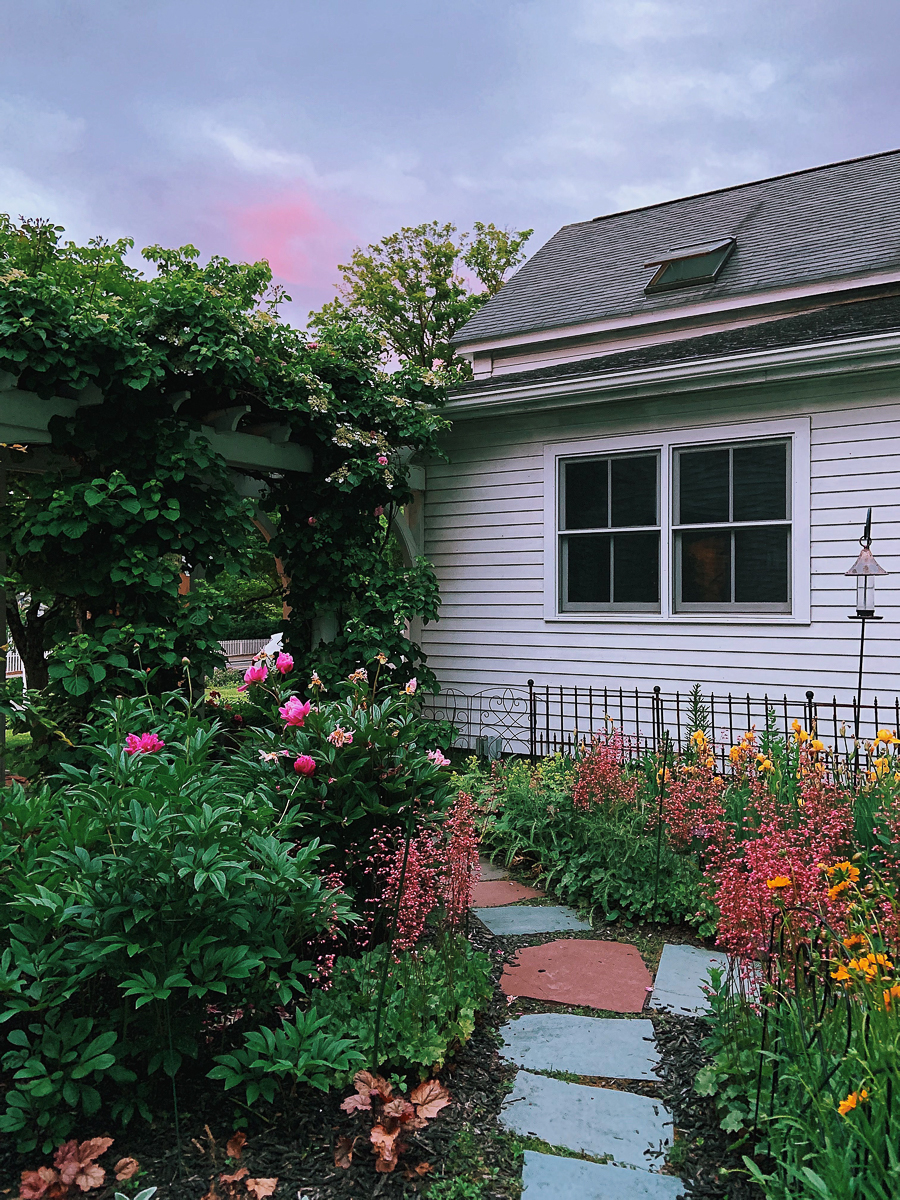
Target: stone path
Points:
(632, 1131)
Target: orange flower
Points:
(855, 939)
(780, 881)
(852, 1100)
(890, 995)
(841, 975)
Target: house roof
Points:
(830, 222)
(846, 318)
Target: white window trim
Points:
(666, 442)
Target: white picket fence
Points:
(239, 653)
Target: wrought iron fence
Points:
(541, 719)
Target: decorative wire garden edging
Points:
(543, 719)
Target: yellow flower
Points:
(734, 753)
(817, 745)
(698, 737)
(881, 766)
(841, 974)
(766, 765)
(796, 726)
(852, 1100)
(710, 762)
(855, 939)
(780, 881)
(886, 736)
(891, 994)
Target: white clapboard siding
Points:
(485, 531)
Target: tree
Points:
(410, 289)
(130, 494)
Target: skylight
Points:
(688, 266)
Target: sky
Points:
(295, 130)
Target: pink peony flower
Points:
(382, 460)
(340, 737)
(284, 663)
(257, 672)
(147, 743)
(295, 711)
(437, 758)
(304, 765)
(379, 511)
(410, 688)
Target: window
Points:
(732, 528)
(609, 533)
(705, 524)
(689, 266)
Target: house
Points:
(661, 468)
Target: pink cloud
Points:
(302, 243)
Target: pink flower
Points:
(304, 765)
(437, 758)
(147, 743)
(311, 521)
(340, 737)
(410, 688)
(284, 663)
(379, 511)
(257, 672)
(295, 711)
(382, 460)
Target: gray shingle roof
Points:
(868, 315)
(825, 223)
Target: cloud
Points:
(627, 23)
(676, 93)
(301, 242)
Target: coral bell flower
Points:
(147, 743)
(257, 672)
(304, 765)
(284, 663)
(295, 711)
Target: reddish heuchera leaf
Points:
(125, 1168)
(35, 1183)
(357, 1103)
(413, 1172)
(90, 1176)
(93, 1148)
(343, 1152)
(429, 1098)
(365, 1081)
(67, 1162)
(236, 1143)
(238, 1174)
(385, 1148)
(260, 1188)
(399, 1108)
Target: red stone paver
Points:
(607, 975)
(502, 891)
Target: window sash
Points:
(565, 535)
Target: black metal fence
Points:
(541, 719)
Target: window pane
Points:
(588, 569)
(706, 567)
(586, 495)
(634, 490)
(760, 483)
(761, 565)
(703, 486)
(636, 568)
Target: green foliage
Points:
(295, 1052)
(430, 1005)
(135, 894)
(602, 857)
(410, 287)
(130, 493)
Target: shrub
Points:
(140, 896)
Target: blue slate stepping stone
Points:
(683, 972)
(634, 1130)
(488, 871)
(547, 1177)
(581, 1045)
(514, 921)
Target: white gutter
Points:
(867, 353)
